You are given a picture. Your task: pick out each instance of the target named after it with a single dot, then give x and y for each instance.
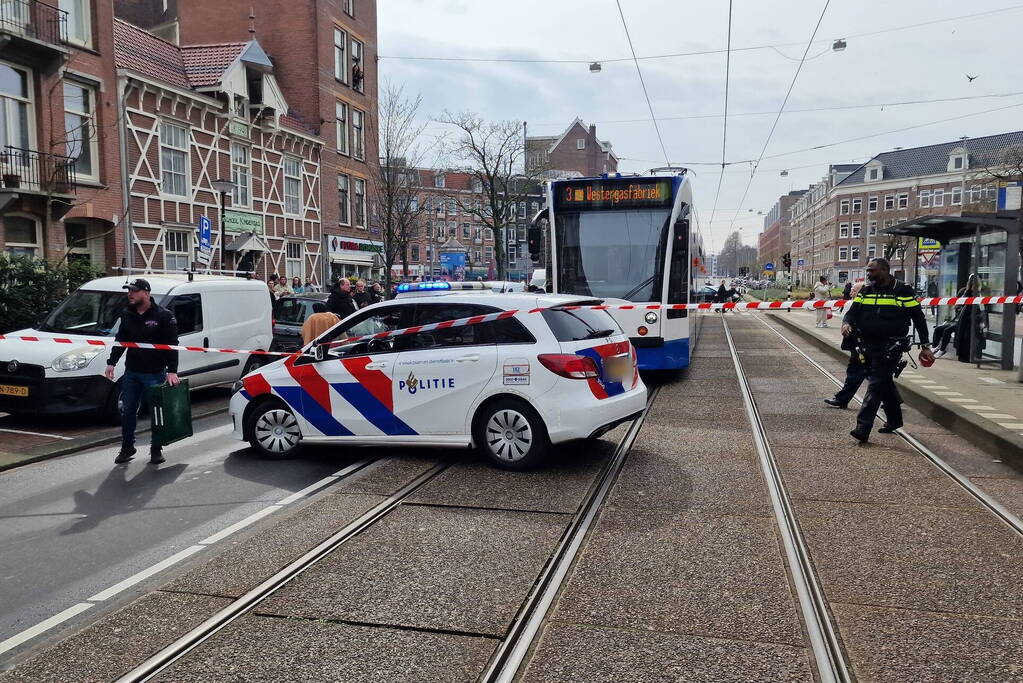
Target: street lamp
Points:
(223, 188)
(594, 67)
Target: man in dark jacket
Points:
(881, 313)
(142, 321)
(340, 301)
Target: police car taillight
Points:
(569, 365)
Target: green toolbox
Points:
(171, 411)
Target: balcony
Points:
(31, 172)
(32, 32)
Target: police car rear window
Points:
(579, 324)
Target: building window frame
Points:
(854, 229)
(177, 248)
(21, 248)
(241, 175)
(889, 202)
(341, 127)
(872, 228)
(854, 253)
(292, 185)
(414, 252)
(938, 198)
(857, 205)
(358, 134)
(872, 203)
(344, 199)
(82, 10)
(294, 260)
(957, 196)
(843, 230)
(843, 253)
(349, 7)
(340, 55)
(170, 149)
(359, 209)
(902, 200)
(85, 127)
(358, 54)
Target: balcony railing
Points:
(27, 169)
(33, 19)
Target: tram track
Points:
(831, 662)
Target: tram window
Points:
(678, 276)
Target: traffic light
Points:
(534, 241)
(787, 260)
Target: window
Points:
(292, 185)
(358, 134)
(173, 159)
(957, 163)
(843, 229)
(844, 207)
(360, 203)
(438, 180)
(80, 128)
(872, 251)
(349, 6)
(854, 253)
(903, 200)
(78, 21)
(580, 143)
(485, 333)
(872, 203)
(957, 196)
(855, 229)
(857, 205)
(925, 198)
(889, 202)
(187, 310)
(874, 173)
(358, 68)
(452, 206)
(569, 326)
(477, 185)
(415, 252)
(240, 174)
(341, 126)
(465, 230)
(522, 209)
(294, 260)
(873, 228)
(938, 198)
(843, 253)
(21, 237)
(177, 250)
(344, 205)
(513, 255)
(340, 55)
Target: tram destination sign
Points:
(617, 193)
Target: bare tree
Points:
(400, 213)
(491, 153)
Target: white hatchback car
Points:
(510, 387)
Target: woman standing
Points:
(821, 292)
(971, 321)
(296, 285)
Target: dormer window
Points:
(958, 160)
(874, 172)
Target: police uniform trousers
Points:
(881, 390)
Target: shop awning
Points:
(246, 241)
(947, 228)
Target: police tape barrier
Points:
(502, 315)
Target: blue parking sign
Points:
(205, 234)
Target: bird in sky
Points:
(971, 78)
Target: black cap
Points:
(138, 283)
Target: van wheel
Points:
(253, 363)
(273, 431)
(110, 412)
(510, 434)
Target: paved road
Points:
(74, 526)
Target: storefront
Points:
(354, 257)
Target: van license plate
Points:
(12, 390)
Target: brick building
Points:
(196, 115)
(60, 163)
(324, 55)
(576, 152)
(776, 239)
(811, 215)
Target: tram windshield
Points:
(612, 254)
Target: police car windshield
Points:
(86, 312)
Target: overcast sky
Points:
(925, 62)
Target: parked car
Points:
(290, 312)
(55, 378)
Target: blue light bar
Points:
(423, 286)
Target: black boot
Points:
(860, 434)
(156, 455)
(835, 403)
(127, 453)
(888, 428)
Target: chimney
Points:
(593, 131)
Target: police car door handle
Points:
(379, 365)
(468, 358)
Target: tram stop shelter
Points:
(987, 244)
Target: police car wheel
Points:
(274, 431)
(510, 434)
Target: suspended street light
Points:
(594, 67)
(838, 45)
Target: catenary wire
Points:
(650, 106)
(770, 134)
(724, 129)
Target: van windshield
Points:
(86, 312)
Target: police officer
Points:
(142, 321)
(881, 314)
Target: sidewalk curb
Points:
(986, 435)
(90, 443)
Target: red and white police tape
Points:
(501, 315)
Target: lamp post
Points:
(223, 188)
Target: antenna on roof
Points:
(252, 22)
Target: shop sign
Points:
(238, 221)
(238, 128)
(339, 245)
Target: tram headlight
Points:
(650, 318)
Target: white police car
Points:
(509, 387)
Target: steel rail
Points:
(189, 641)
(508, 658)
(824, 643)
(993, 506)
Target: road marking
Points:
(1011, 425)
(145, 573)
(241, 524)
(959, 400)
(938, 386)
(948, 393)
(48, 436)
(980, 408)
(43, 626)
(998, 416)
(991, 380)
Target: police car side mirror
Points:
(320, 351)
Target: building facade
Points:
(207, 133)
(576, 152)
(324, 56)
(776, 239)
(811, 214)
(60, 162)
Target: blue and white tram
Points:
(629, 239)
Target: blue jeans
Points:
(133, 387)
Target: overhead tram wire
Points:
(799, 67)
(724, 129)
(646, 94)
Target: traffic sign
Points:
(801, 262)
(769, 267)
(205, 234)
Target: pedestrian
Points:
(309, 286)
(319, 322)
(280, 286)
(821, 292)
(361, 296)
(340, 300)
(847, 292)
(882, 313)
(271, 284)
(971, 321)
(378, 293)
(296, 285)
(142, 321)
(722, 293)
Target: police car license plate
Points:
(616, 367)
(13, 390)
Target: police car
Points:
(510, 387)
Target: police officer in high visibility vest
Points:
(881, 314)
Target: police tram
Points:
(627, 239)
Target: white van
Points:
(212, 311)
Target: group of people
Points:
(279, 286)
